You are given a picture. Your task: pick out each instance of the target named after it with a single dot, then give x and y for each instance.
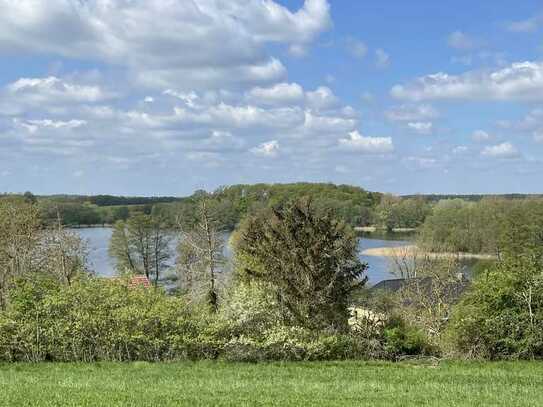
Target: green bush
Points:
(97, 319)
(502, 315)
(288, 343)
(104, 320)
(400, 339)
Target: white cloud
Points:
(165, 42)
(54, 90)
(322, 98)
(481, 136)
(267, 149)
(327, 124)
(421, 127)
(503, 150)
(189, 98)
(222, 141)
(358, 49)
(521, 81)
(72, 124)
(367, 145)
(278, 94)
(538, 136)
(411, 113)
(462, 41)
(382, 59)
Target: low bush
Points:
(105, 320)
(96, 319)
(400, 340)
(283, 343)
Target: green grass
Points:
(300, 384)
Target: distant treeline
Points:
(354, 205)
(111, 200)
(467, 223)
(471, 197)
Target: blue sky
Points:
(162, 97)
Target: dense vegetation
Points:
(352, 204)
(295, 289)
(272, 384)
(487, 226)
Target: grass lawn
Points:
(288, 384)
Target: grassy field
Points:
(289, 384)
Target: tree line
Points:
(485, 226)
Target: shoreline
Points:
(412, 250)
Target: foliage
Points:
(107, 320)
(308, 260)
(290, 343)
(232, 204)
(141, 245)
(394, 212)
(502, 315)
(19, 241)
(96, 319)
(402, 339)
(482, 227)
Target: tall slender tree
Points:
(200, 256)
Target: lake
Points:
(103, 265)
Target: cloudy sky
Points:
(154, 97)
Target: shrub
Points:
(288, 343)
(502, 315)
(400, 339)
(105, 320)
(96, 319)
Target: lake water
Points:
(103, 265)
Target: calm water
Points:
(104, 265)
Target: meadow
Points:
(273, 384)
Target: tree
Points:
(200, 255)
(141, 245)
(502, 315)
(29, 197)
(120, 248)
(308, 260)
(20, 236)
(63, 253)
(387, 213)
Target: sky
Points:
(163, 97)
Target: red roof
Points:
(138, 281)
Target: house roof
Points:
(139, 281)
